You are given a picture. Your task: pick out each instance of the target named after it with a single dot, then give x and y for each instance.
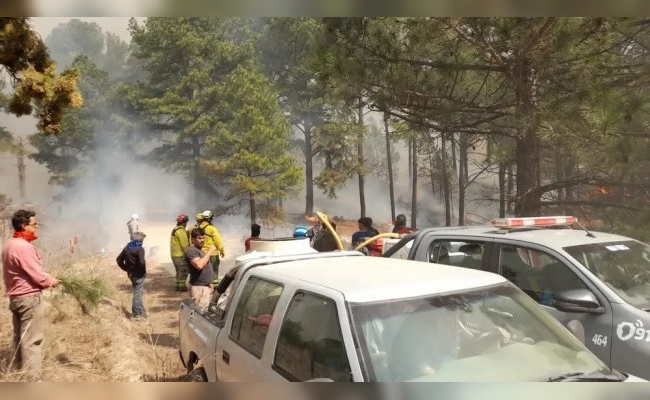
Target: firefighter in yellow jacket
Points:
(199, 218)
(178, 243)
(212, 237)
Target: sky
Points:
(117, 25)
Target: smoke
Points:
(430, 205)
(118, 183)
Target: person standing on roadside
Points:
(324, 239)
(178, 244)
(24, 281)
(201, 272)
(212, 238)
(255, 235)
(400, 225)
(131, 260)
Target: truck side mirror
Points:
(577, 301)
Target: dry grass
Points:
(102, 344)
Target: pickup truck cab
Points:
(341, 316)
(596, 283)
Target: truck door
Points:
(241, 343)
(541, 275)
(311, 343)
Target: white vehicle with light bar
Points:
(596, 283)
(341, 316)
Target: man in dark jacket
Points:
(131, 260)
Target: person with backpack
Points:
(178, 244)
(131, 260)
(212, 238)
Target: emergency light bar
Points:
(532, 221)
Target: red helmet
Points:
(182, 218)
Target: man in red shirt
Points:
(255, 235)
(24, 281)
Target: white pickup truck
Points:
(341, 316)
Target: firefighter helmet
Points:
(207, 214)
(182, 218)
(300, 231)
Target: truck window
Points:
(538, 274)
(310, 344)
(253, 314)
(466, 254)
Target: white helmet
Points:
(134, 216)
(207, 214)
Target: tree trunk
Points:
(446, 189)
(309, 171)
(527, 145)
(462, 177)
(414, 185)
(452, 142)
(198, 181)
(389, 162)
(362, 192)
(22, 183)
(527, 154)
(510, 187)
(251, 203)
(410, 163)
(502, 190)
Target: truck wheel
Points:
(197, 375)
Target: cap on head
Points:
(134, 216)
(182, 218)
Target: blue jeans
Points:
(137, 309)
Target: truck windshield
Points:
(624, 266)
(492, 334)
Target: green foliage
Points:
(69, 156)
(288, 51)
(250, 144)
(33, 76)
(76, 38)
(335, 143)
(89, 293)
(187, 61)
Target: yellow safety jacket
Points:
(211, 238)
(179, 242)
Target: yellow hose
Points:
(326, 222)
(372, 239)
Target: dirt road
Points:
(160, 332)
(106, 346)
